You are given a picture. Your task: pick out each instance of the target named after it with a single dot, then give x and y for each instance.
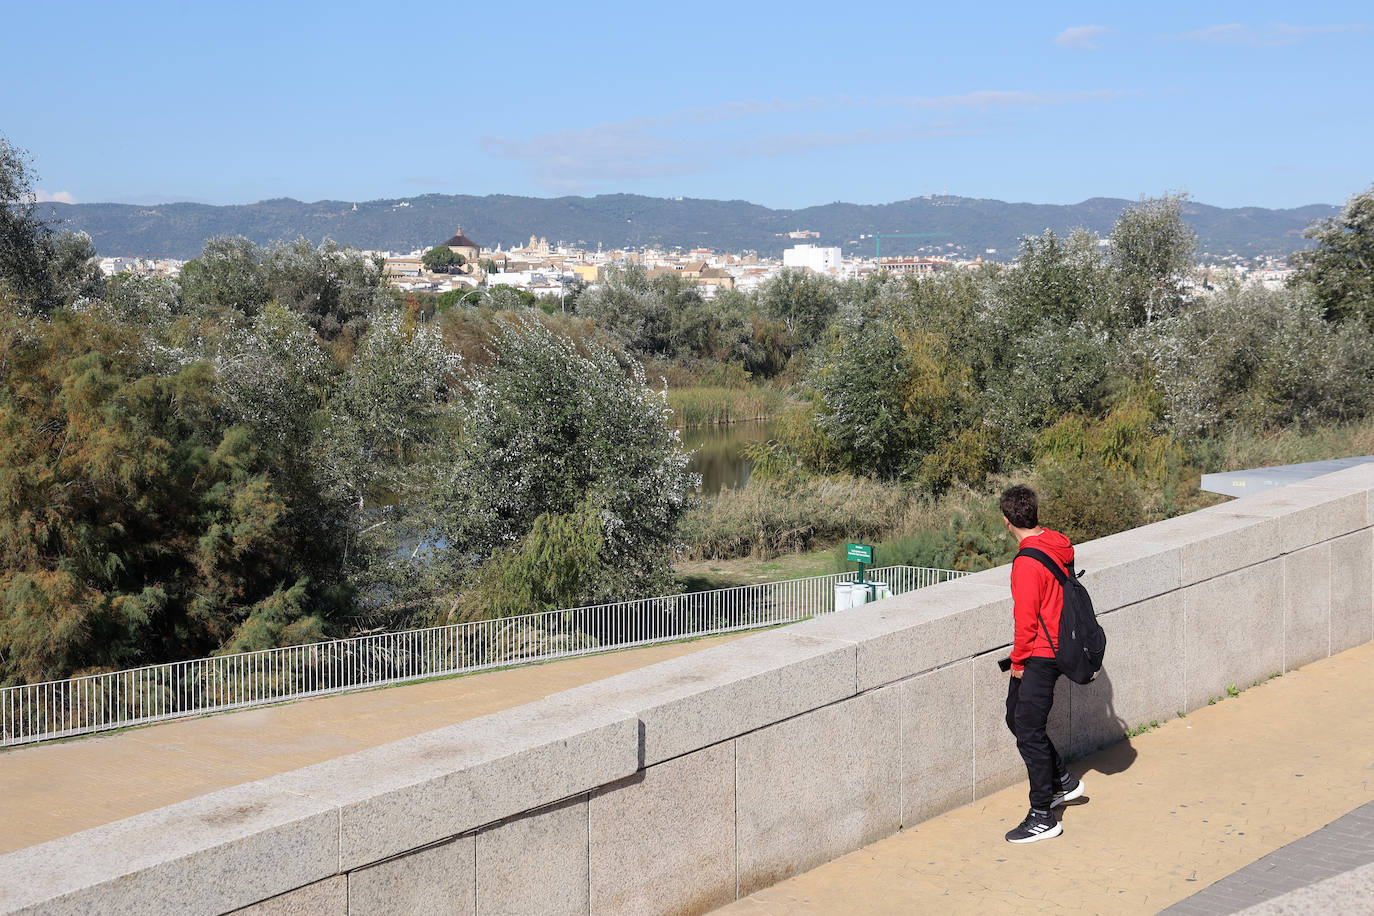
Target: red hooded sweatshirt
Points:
(1034, 590)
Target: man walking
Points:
(1037, 599)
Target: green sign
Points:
(860, 553)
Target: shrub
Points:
(767, 517)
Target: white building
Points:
(821, 260)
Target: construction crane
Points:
(879, 236)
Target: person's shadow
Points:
(1101, 739)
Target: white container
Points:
(843, 596)
(879, 590)
(858, 594)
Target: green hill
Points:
(969, 225)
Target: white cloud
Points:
(1081, 37)
(61, 197)
(1265, 36)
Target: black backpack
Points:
(1081, 643)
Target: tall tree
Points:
(553, 428)
(1151, 250)
(1340, 269)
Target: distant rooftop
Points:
(1257, 480)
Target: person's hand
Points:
(1016, 673)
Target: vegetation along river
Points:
(718, 452)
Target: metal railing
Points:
(98, 702)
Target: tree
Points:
(802, 300)
(1340, 269)
(863, 383)
(228, 275)
(25, 240)
(442, 259)
(1151, 249)
(335, 288)
(549, 427)
(139, 527)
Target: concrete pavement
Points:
(1166, 814)
(52, 790)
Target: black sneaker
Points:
(1067, 790)
(1038, 825)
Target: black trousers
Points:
(1029, 698)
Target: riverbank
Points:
(707, 405)
(701, 575)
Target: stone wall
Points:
(679, 787)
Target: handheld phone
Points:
(1004, 663)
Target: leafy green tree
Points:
(335, 288)
(229, 276)
(138, 527)
(802, 300)
(1340, 268)
(863, 382)
(25, 239)
(1057, 280)
(553, 567)
(74, 268)
(442, 259)
(507, 297)
(1151, 250)
(549, 426)
(1260, 359)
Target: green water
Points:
(719, 452)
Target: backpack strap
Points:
(1036, 553)
(1059, 576)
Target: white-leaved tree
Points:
(573, 436)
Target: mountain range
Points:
(963, 225)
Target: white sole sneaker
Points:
(1068, 796)
(1042, 835)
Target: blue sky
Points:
(786, 105)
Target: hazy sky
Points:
(786, 105)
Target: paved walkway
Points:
(52, 790)
(1340, 847)
(1166, 814)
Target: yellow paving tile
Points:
(1164, 815)
(51, 790)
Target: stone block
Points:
(535, 864)
(817, 786)
(996, 762)
(1215, 541)
(427, 882)
(1360, 477)
(920, 630)
(1233, 626)
(937, 742)
(664, 841)
(1125, 568)
(212, 854)
(1141, 678)
(418, 791)
(1306, 606)
(1352, 590)
(700, 699)
(323, 898)
(1309, 514)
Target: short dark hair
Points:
(1021, 506)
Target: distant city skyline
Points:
(786, 106)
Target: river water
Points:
(719, 452)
